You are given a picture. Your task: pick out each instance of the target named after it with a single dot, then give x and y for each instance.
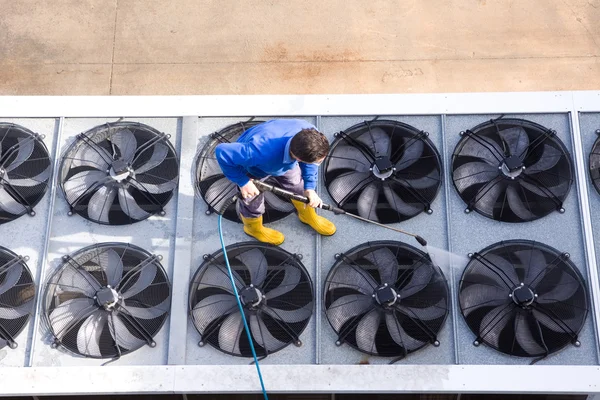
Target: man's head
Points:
(309, 146)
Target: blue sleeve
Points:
(310, 174)
(233, 158)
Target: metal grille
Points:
(594, 163)
(107, 300)
(523, 298)
(274, 288)
(386, 298)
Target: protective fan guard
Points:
(90, 253)
(269, 251)
(494, 252)
(402, 250)
(414, 183)
(535, 131)
(41, 171)
(228, 135)
(594, 163)
(154, 203)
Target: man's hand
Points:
(313, 198)
(249, 190)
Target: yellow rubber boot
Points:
(309, 216)
(254, 227)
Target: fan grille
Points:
(512, 170)
(523, 298)
(215, 189)
(386, 298)
(276, 292)
(107, 300)
(24, 171)
(119, 173)
(382, 170)
(17, 291)
(594, 165)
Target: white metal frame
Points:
(177, 378)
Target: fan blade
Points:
(152, 188)
(9, 204)
(88, 335)
(398, 204)
(563, 325)
(24, 151)
(422, 182)
(399, 335)
(525, 337)
(488, 195)
(101, 204)
(506, 268)
(17, 311)
(377, 141)
(121, 334)
(290, 280)
(230, 333)
(80, 182)
(549, 158)
(145, 277)
(125, 141)
(517, 141)
(92, 156)
(10, 276)
(348, 307)
(473, 173)
(347, 184)
(212, 307)
(217, 276)
(353, 277)
(517, 205)
(256, 262)
(494, 323)
(428, 313)
(67, 314)
(412, 152)
(130, 207)
(534, 263)
(559, 190)
(221, 189)
(277, 202)
(566, 288)
(476, 296)
(483, 148)
(348, 157)
(386, 264)
(159, 153)
(366, 330)
(262, 336)
(78, 280)
(39, 179)
(150, 312)
(112, 265)
(421, 276)
(367, 202)
(289, 316)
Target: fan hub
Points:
(251, 297)
(523, 296)
(107, 297)
(120, 170)
(383, 167)
(385, 295)
(512, 166)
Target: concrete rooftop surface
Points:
(161, 47)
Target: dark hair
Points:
(309, 145)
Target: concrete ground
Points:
(160, 47)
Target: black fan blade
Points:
(112, 265)
(348, 157)
(566, 288)
(262, 335)
(257, 264)
(347, 307)
(219, 191)
(125, 141)
(377, 141)
(399, 335)
(534, 262)
(477, 296)
(76, 185)
(143, 278)
(101, 203)
(549, 158)
(69, 313)
(78, 280)
(558, 191)
(421, 275)
(212, 307)
(473, 173)
(347, 184)
(558, 325)
(92, 157)
(121, 333)
(217, 276)
(484, 149)
(397, 204)
(386, 264)
(353, 277)
(230, 333)
(517, 205)
(154, 188)
(525, 337)
(129, 206)
(505, 268)
(289, 316)
(16, 312)
(419, 182)
(159, 153)
(494, 322)
(517, 141)
(10, 276)
(367, 202)
(290, 280)
(88, 334)
(488, 195)
(24, 150)
(150, 312)
(427, 313)
(413, 150)
(366, 331)
(9, 204)
(277, 202)
(41, 178)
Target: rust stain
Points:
(279, 52)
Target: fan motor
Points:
(120, 170)
(107, 297)
(512, 166)
(383, 167)
(523, 295)
(251, 297)
(385, 295)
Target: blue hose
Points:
(239, 303)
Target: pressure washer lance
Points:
(264, 187)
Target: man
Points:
(290, 150)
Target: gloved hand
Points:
(249, 190)
(314, 199)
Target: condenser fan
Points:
(386, 299)
(523, 298)
(512, 170)
(274, 288)
(107, 300)
(16, 296)
(215, 189)
(119, 173)
(385, 171)
(24, 171)
(595, 163)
